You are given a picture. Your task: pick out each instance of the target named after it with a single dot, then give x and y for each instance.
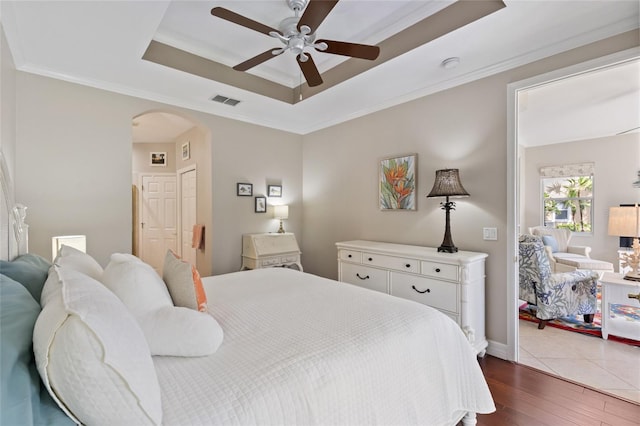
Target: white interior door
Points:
(159, 219)
(188, 202)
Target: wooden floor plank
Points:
(525, 396)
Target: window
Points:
(568, 197)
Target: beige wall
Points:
(464, 127)
(141, 158)
(7, 138)
(617, 161)
(74, 168)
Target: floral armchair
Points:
(555, 294)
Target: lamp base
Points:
(281, 230)
(447, 249)
(632, 276)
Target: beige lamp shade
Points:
(624, 221)
(281, 212)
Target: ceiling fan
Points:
(298, 34)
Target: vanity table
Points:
(270, 250)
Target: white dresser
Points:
(451, 282)
(270, 250)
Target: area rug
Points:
(576, 323)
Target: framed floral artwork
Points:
(397, 183)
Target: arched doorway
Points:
(168, 151)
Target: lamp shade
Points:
(447, 184)
(624, 221)
(281, 212)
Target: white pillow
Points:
(176, 331)
(136, 283)
(73, 258)
(169, 330)
(92, 356)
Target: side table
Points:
(618, 291)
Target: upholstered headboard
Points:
(13, 229)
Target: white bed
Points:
(299, 349)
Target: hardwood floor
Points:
(525, 396)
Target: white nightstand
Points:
(270, 250)
(616, 290)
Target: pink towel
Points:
(198, 237)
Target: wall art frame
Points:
(274, 190)
(244, 189)
(397, 182)
(158, 159)
(186, 151)
(260, 204)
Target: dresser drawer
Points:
(351, 256)
(290, 258)
(371, 278)
(443, 271)
(390, 262)
(438, 294)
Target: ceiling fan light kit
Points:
(298, 35)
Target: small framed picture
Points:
(244, 189)
(274, 190)
(158, 159)
(186, 151)
(261, 204)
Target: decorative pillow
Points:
(176, 331)
(550, 241)
(73, 258)
(136, 283)
(92, 355)
(169, 330)
(30, 270)
(22, 395)
(183, 281)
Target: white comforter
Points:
(300, 350)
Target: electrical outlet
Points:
(490, 234)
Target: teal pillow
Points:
(23, 398)
(550, 241)
(30, 270)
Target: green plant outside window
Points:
(567, 203)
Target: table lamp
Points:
(447, 185)
(281, 212)
(625, 222)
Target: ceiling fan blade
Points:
(257, 60)
(315, 13)
(355, 50)
(310, 71)
(230, 16)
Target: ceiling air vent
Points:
(225, 100)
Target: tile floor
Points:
(606, 365)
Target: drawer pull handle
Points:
(634, 296)
(408, 265)
(362, 278)
(371, 259)
(437, 269)
(421, 292)
(349, 256)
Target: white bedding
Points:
(299, 350)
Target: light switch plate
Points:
(490, 234)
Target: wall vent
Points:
(225, 100)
